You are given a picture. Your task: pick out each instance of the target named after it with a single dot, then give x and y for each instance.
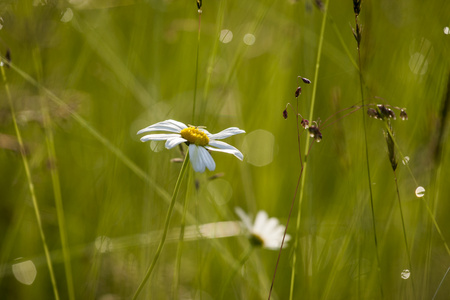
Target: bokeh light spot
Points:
(420, 192)
(226, 36)
(249, 39)
(446, 30)
(418, 64)
(67, 15)
(25, 272)
(405, 274)
(258, 147)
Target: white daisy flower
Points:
(265, 232)
(198, 139)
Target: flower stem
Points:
(176, 274)
(166, 226)
(31, 186)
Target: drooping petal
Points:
(196, 160)
(226, 133)
(168, 125)
(207, 158)
(159, 137)
(172, 142)
(226, 148)
(244, 217)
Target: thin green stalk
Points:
(176, 274)
(429, 211)
(49, 140)
(30, 186)
(196, 64)
(236, 268)
(404, 233)
(166, 226)
(305, 163)
(361, 83)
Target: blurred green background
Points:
(121, 65)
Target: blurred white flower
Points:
(198, 139)
(265, 232)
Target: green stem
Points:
(404, 233)
(196, 66)
(176, 275)
(311, 113)
(166, 226)
(49, 140)
(368, 167)
(30, 186)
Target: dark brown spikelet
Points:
(199, 4)
(373, 113)
(315, 133)
(305, 123)
(403, 114)
(298, 91)
(306, 80)
(391, 149)
(285, 114)
(357, 7)
(385, 112)
(357, 33)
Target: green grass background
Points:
(123, 65)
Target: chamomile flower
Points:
(198, 139)
(265, 232)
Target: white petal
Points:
(207, 158)
(159, 137)
(230, 149)
(260, 221)
(201, 159)
(196, 161)
(226, 133)
(168, 125)
(172, 142)
(244, 217)
(270, 226)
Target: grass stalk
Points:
(357, 34)
(196, 61)
(50, 143)
(176, 274)
(30, 185)
(305, 163)
(166, 227)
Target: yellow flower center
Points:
(195, 136)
